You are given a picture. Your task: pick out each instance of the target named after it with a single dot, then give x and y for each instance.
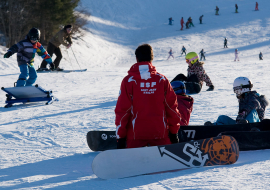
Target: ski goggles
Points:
(189, 60)
(34, 39)
(242, 86)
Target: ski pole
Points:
(70, 60)
(75, 57)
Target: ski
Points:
(106, 140)
(64, 71)
(251, 140)
(79, 70)
(121, 163)
(55, 71)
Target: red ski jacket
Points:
(147, 105)
(185, 107)
(182, 21)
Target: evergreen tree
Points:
(17, 17)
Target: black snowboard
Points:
(106, 140)
(250, 140)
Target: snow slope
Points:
(45, 146)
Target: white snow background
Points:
(45, 147)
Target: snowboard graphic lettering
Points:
(214, 151)
(190, 133)
(192, 151)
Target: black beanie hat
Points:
(68, 26)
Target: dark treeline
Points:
(17, 17)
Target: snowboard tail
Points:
(250, 140)
(113, 164)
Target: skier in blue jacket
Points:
(26, 50)
(261, 56)
(184, 50)
(170, 21)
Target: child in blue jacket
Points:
(26, 50)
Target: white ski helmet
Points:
(241, 85)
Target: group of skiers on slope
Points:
(150, 109)
(183, 51)
(189, 22)
(27, 48)
(236, 53)
(236, 8)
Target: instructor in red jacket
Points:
(182, 23)
(146, 110)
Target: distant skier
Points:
(146, 110)
(184, 50)
(236, 8)
(236, 55)
(170, 54)
(201, 17)
(251, 105)
(190, 22)
(187, 24)
(261, 56)
(217, 9)
(185, 102)
(196, 75)
(225, 43)
(256, 8)
(182, 23)
(26, 50)
(170, 21)
(202, 55)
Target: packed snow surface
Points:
(45, 146)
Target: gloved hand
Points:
(8, 54)
(68, 46)
(52, 66)
(211, 88)
(241, 117)
(121, 143)
(173, 138)
(242, 121)
(182, 136)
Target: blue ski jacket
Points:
(26, 52)
(253, 101)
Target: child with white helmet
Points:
(251, 104)
(196, 75)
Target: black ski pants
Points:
(52, 49)
(202, 56)
(182, 77)
(192, 82)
